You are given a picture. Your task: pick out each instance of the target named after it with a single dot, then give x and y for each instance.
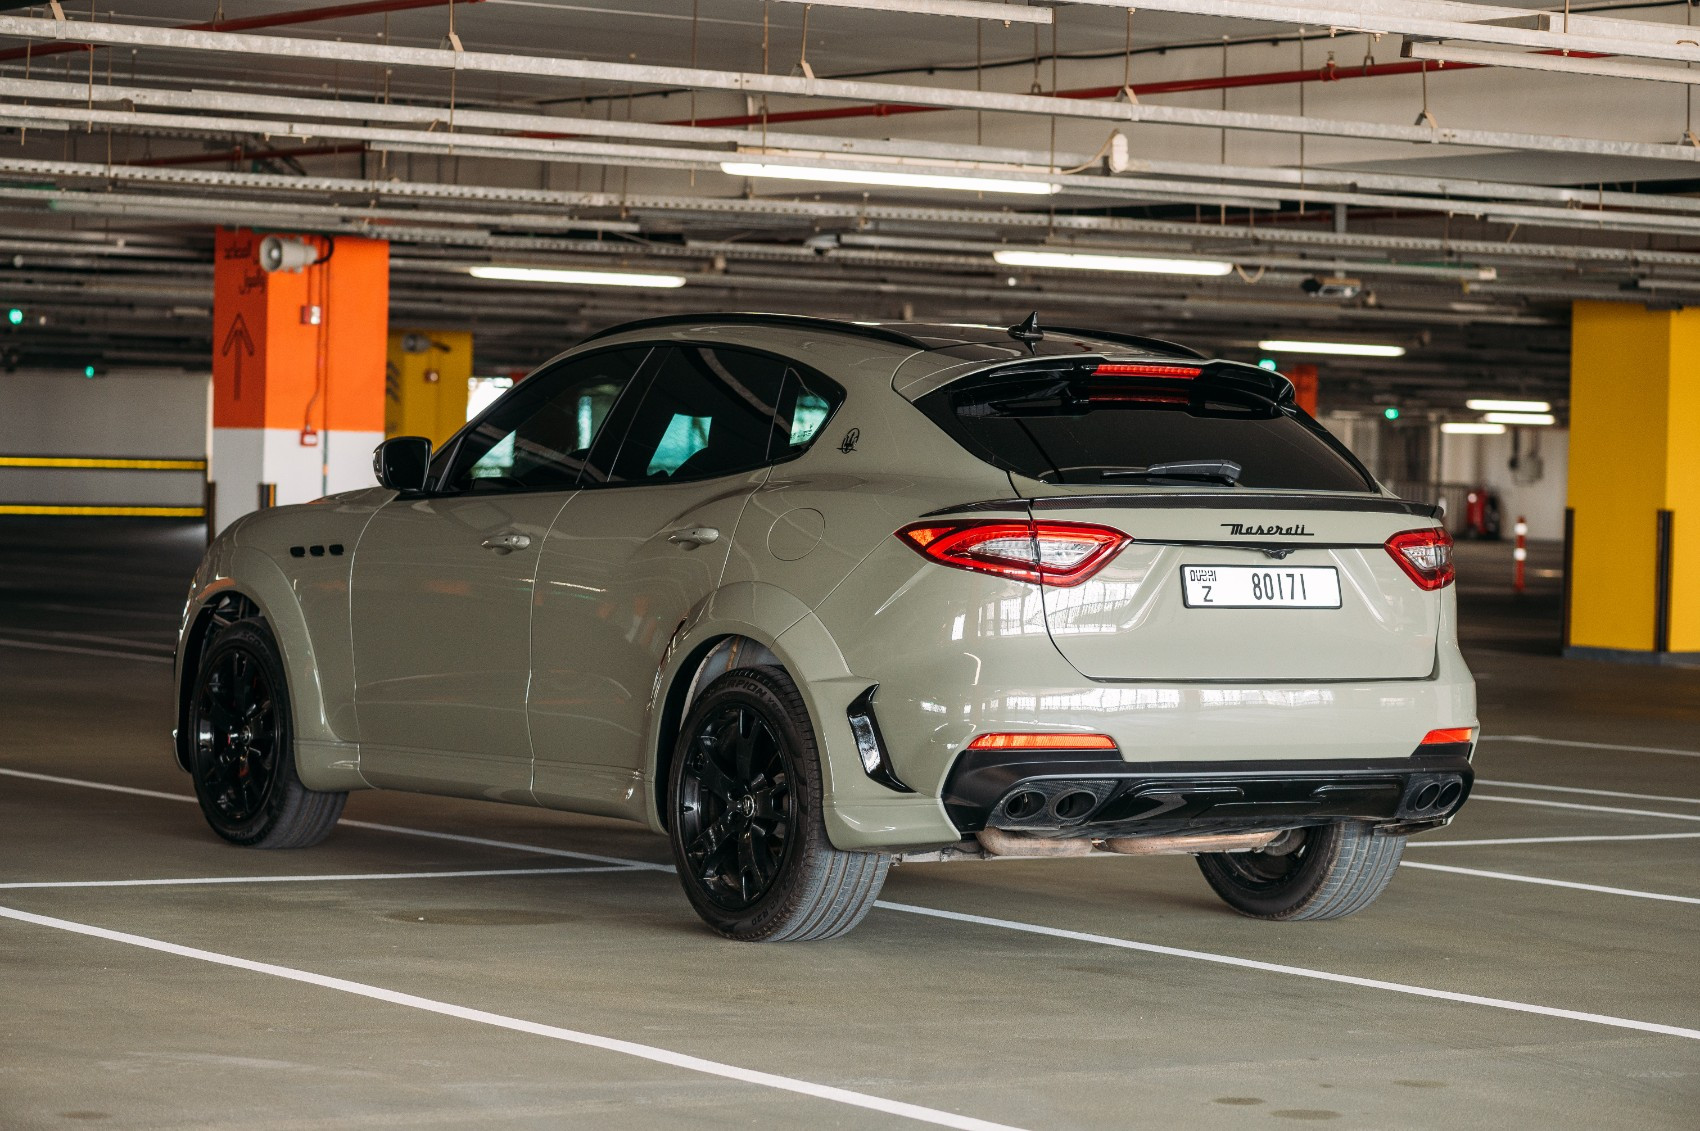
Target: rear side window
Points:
(1075, 426)
(709, 411)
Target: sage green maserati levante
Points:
(811, 597)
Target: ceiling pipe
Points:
(237, 153)
(251, 23)
(1329, 73)
(536, 66)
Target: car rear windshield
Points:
(1075, 425)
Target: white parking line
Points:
(1549, 883)
(195, 881)
(1426, 843)
(107, 786)
(1298, 971)
(485, 842)
(89, 637)
(536, 1029)
(1587, 808)
(1031, 928)
(1589, 792)
(40, 647)
(1538, 740)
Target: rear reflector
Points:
(1172, 372)
(1043, 742)
(1447, 735)
(1060, 554)
(1424, 555)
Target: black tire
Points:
(744, 817)
(1324, 872)
(242, 746)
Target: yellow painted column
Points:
(1634, 569)
(426, 383)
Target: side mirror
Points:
(401, 464)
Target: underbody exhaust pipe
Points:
(1001, 843)
(1196, 842)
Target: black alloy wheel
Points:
(242, 753)
(235, 725)
(737, 806)
(744, 815)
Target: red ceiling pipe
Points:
(1329, 73)
(278, 19)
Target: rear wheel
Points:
(1324, 872)
(243, 747)
(745, 818)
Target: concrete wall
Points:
(1535, 490)
(135, 414)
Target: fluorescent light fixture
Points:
(578, 278)
(1466, 428)
(1540, 418)
(1482, 405)
(890, 179)
(1138, 263)
(1345, 349)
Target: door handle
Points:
(506, 543)
(694, 536)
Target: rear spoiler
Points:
(1249, 380)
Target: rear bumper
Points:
(1097, 794)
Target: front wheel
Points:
(1324, 872)
(744, 818)
(243, 753)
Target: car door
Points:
(442, 587)
(640, 549)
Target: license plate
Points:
(1260, 587)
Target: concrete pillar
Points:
(298, 370)
(1633, 578)
(425, 385)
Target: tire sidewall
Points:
(251, 637)
(1322, 851)
(766, 691)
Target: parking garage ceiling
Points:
(1340, 166)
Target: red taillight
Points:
(1172, 372)
(1050, 553)
(1424, 555)
(1043, 742)
(1449, 735)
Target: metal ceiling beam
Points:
(1058, 228)
(530, 125)
(1469, 22)
(1122, 187)
(968, 9)
(849, 90)
(1447, 52)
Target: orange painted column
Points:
(298, 370)
(1304, 382)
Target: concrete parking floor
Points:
(1533, 965)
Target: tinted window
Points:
(710, 411)
(1071, 427)
(538, 436)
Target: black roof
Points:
(914, 335)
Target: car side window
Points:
(806, 404)
(539, 435)
(708, 411)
